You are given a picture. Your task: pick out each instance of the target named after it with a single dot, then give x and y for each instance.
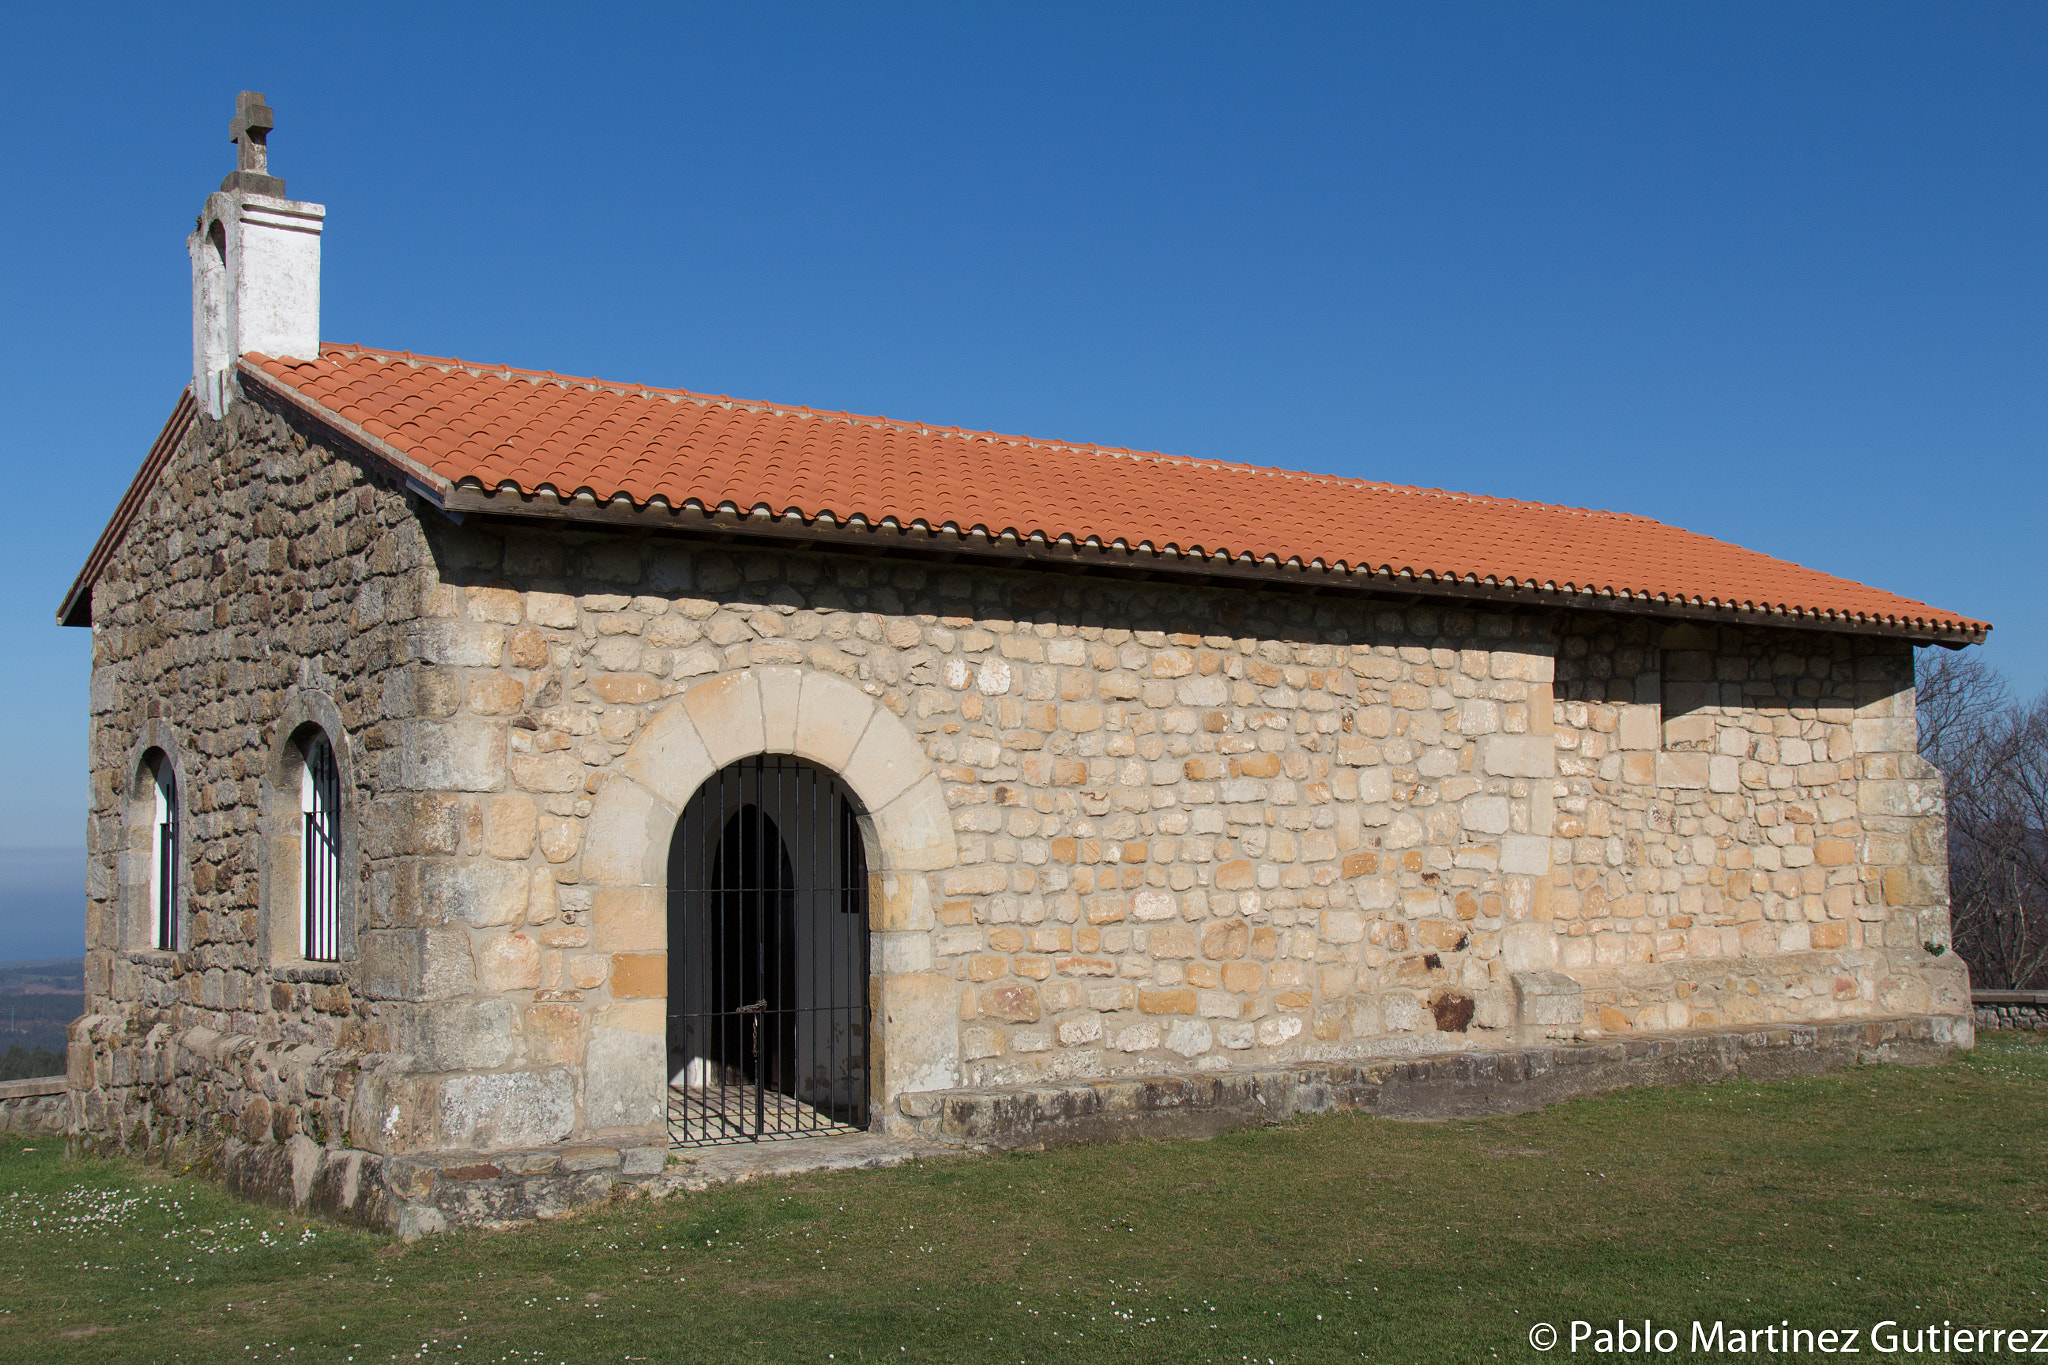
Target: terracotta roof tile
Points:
(492, 427)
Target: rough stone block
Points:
(509, 1109)
(1548, 1000)
(1683, 770)
(669, 759)
(1640, 727)
(1529, 947)
(1524, 854)
(1485, 814)
(625, 1080)
(916, 829)
(1517, 756)
(508, 962)
(726, 711)
(920, 1032)
(459, 1035)
(478, 892)
(451, 755)
(630, 919)
(626, 825)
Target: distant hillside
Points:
(37, 999)
(43, 976)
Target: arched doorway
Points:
(768, 1018)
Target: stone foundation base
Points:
(421, 1194)
(1451, 1085)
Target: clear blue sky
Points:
(1772, 272)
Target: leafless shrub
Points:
(1993, 754)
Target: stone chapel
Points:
(505, 784)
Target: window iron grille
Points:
(320, 843)
(768, 1012)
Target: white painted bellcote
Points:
(255, 265)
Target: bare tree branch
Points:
(1993, 755)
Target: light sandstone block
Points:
(895, 954)
(459, 644)
(670, 758)
(1273, 1031)
(1724, 773)
(1404, 831)
(1478, 716)
(1136, 1038)
(1486, 814)
(1189, 1037)
(559, 771)
(1885, 736)
(553, 609)
(780, 690)
(1695, 728)
(726, 711)
(1401, 1011)
(1525, 854)
(1529, 947)
(906, 903)
(1682, 770)
(415, 964)
(510, 822)
(1154, 904)
(465, 1035)
(508, 962)
(885, 763)
(1343, 926)
(916, 829)
(627, 824)
(920, 1034)
(1639, 727)
(1547, 999)
(625, 1085)
(1517, 755)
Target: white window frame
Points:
(163, 857)
(319, 852)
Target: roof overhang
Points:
(791, 530)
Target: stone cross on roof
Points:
(250, 129)
(250, 132)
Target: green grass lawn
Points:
(1916, 1195)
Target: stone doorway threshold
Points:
(700, 1168)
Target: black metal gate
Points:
(768, 957)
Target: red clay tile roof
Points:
(501, 429)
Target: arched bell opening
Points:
(768, 1017)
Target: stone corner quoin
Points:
(1115, 829)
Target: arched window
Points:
(320, 851)
(163, 853)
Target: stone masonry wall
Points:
(1745, 832)
(262, 572)
(1201, 829)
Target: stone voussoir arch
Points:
(833, 723)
